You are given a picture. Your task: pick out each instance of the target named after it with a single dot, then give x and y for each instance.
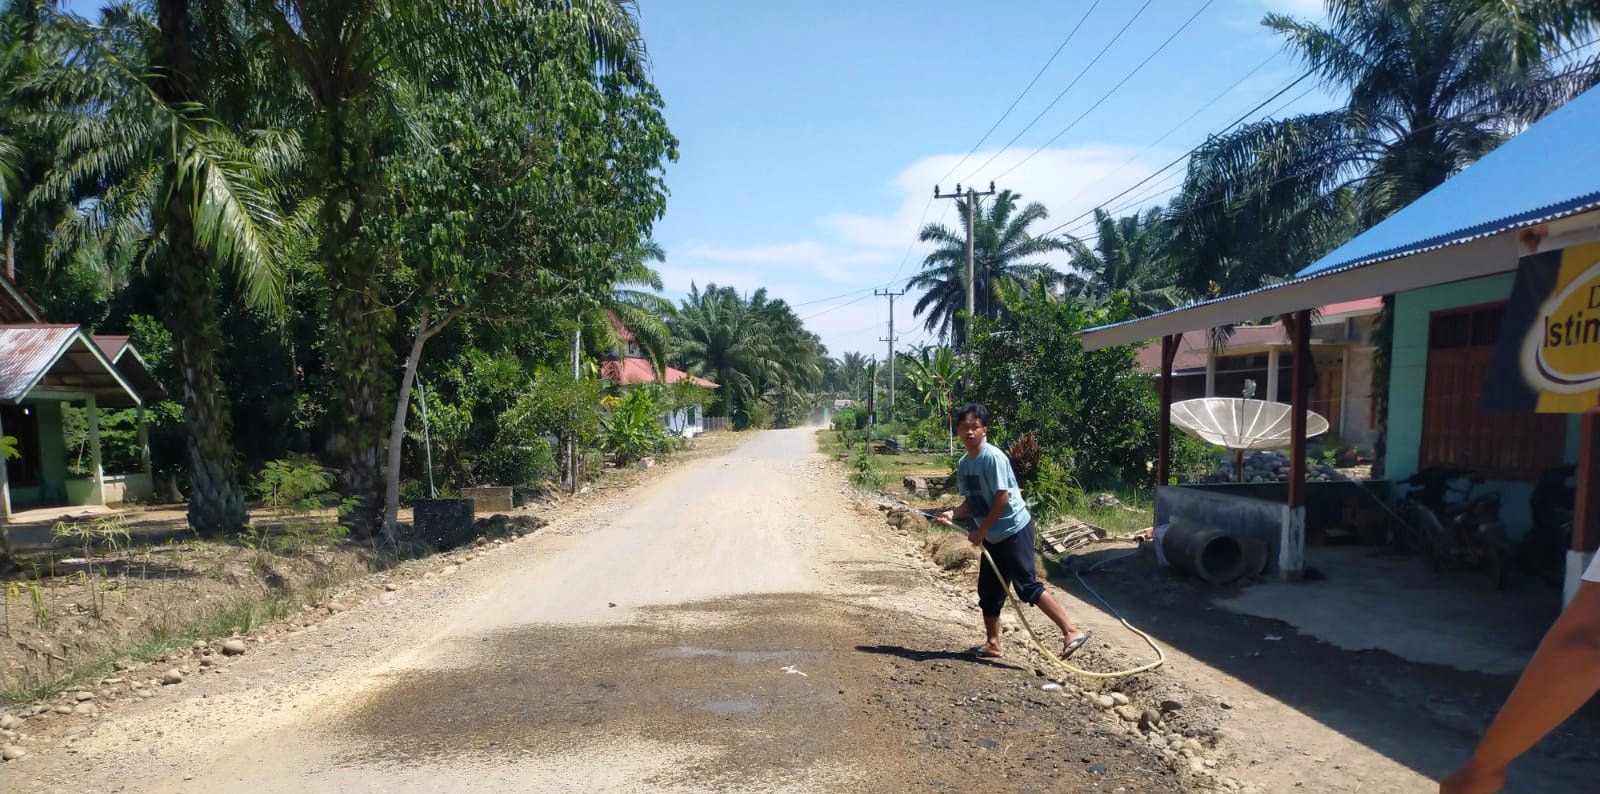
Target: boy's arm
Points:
(1563, 674)
(997, 507)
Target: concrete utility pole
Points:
(572, 440)
(972, 202)
(891, 295)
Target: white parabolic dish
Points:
(1241, 424)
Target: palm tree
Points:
(1130, 255)
(1431, 85)
(1002, 250)
(853, 375)
(634, 303)
(181, 192)
(716, 335)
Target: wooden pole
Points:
(1300, 384)
(1586, 520)
(1169, 350)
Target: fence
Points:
(711, 423)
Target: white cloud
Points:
(853, 252)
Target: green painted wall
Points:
(52, 454)
(1408, 374)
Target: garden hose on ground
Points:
(1011, 597)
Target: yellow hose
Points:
(1161, 657)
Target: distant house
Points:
(44, 368)
(1340, 344)
(629, 368)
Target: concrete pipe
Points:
(1213, 554)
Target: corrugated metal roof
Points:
(629, 371)
(61, 359)
(1549, 171)
(27, 352)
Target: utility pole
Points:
(891, 295)
(572, 439)
(972, 202)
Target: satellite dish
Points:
(1242, 425)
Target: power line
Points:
(1157, 142)
(1036, 76)
(1282, 179)
(1114, 89)
(1186, 155)
(1064, 91)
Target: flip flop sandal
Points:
(1072, 647)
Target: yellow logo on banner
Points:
(1562, 355)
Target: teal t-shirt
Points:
(978, 478)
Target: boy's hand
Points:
(1472, 779)
(976, 537)
(945, 517)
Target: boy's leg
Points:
(991, 599)
(1019, 568)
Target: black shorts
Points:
(1014, 557)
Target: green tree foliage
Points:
(1091, 412)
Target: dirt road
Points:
(733, 626)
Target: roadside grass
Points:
(240, 616)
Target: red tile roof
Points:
(629, 371)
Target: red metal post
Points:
(1300, 385)
(1586, 522)
(1169, 351)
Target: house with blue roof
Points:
(1495, 363)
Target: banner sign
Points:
(1548, 356)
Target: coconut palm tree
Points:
(182, 192)
(1130, 255)
(1004, 252)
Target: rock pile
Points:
(927, 487)
(1262, 467)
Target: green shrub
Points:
(1054, 492)
(844, 420)
(293, 488)
(861, 419)
(759, 416)
(634, 429)
(864, 471)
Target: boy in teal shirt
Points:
(994, 499)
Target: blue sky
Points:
(813, 132)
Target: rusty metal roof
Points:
(38, 360)
(125, 357)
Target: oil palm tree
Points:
(634, 302)
(1130, 255)
(1431, 86)
(1004, 252)
(853, 375)
(715, 334)
(180, 192)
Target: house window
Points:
(1455, 431)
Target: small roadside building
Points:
(632, 368)
(46, 371)
(1495, 365)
